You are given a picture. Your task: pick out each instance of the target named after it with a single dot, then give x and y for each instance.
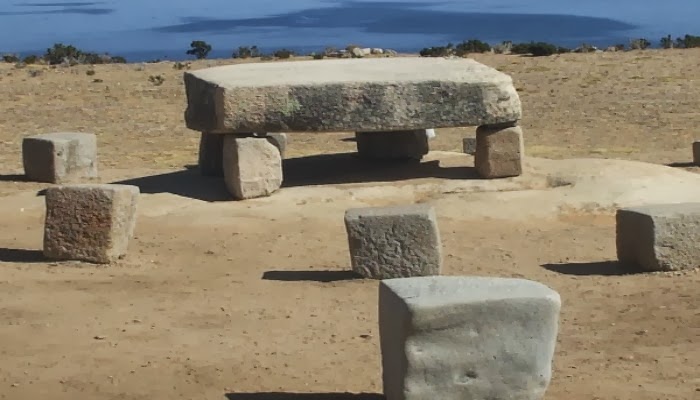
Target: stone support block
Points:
(661, 237)
(499, 151)
(63, 157)
(394, 242)
(459, 338)
(398, 145)
(92, 223)
(252, 167)
(211, 154)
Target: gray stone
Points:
(660, 237)
(398, 145)
(252, 167)
(469, 145)
(455, 338)
(499, 151)
(394, 242)
(63, 157)
(92, 223)
(278, 140)
(696, 153)
(211, 154)
(376, 94)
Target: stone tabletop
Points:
(368, 95)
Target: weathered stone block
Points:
(499, 151)
(661, 237)
(400, 145)
(351, 95)
(696, 153)
(278, 140)
(62, 157)
(211, 154)
(458, 338)
(394, 242)
(469, 145)
(91, 223)
(252, 167)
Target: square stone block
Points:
(252, 167)
(394, 242)
(696, 153)
(278, 139)
(63, 157)
(397, 145)
(662, 237)
(499, 151)
(457, 338)
(92, 223)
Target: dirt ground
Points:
(253, 301)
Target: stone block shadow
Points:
(304, 396)
(186, 183)
(324, 276)
(342, 168)
(600, 268)
(323, 169)
(13, 178)
(21, 256)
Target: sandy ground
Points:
(252, 300)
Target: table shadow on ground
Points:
(21, 256)
(601, 268)
(324, 276)
(304, 396)
(326, 169)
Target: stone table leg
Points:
(252, 166)
(211, 153)
(394, 145)
(499, 151)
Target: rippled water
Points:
(147, 29)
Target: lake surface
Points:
(148, 29)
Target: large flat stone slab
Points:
(366, 95)
(457, 338)
(660, 237)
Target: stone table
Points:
(389, 102)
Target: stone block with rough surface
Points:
(499, 151)
(92, 223)
(279, 140)
(457, 338)
(394, 242)
(63, 157)
(252, 167)
(469, 145)
(400, 145)
(661, 237)
(211, 154)
(351, 95)
(696, 153)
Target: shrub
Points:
(688, 42)
(438, 51)
(318, 56)
(247, 52)
(538, 49)
(471, 46)
(639, 44)
(283, 53)
(34, 72)
(60, 53)
(180, 66)
(199, 49)
(30, 59)
(118, 60)
(10, 58)
(90, 72)
(667, 42)
(156, 80)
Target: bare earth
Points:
(252, 300)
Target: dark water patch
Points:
(67, 10)
(397, 18)
(58, 4)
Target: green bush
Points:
(640, 44)
(438, 51)
(318, 56)
(118, 60)
(283, 53)
(688, 42)
(32, 59)
(538, 49)
(60, 53)
(247, 52)
(10, 58)
(471, 46)
(666, 42)
(199, 49)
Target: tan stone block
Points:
(252, 167)
(499, 151)
(91, 223)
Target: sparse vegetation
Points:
(10, 58)
(247, 52)
(640, 44)
(156, 80)
(180, 66)
(538, 49)
(90, 72)
(283, 54)
(31, 59)
(199, 49)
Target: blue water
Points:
(147, 29)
